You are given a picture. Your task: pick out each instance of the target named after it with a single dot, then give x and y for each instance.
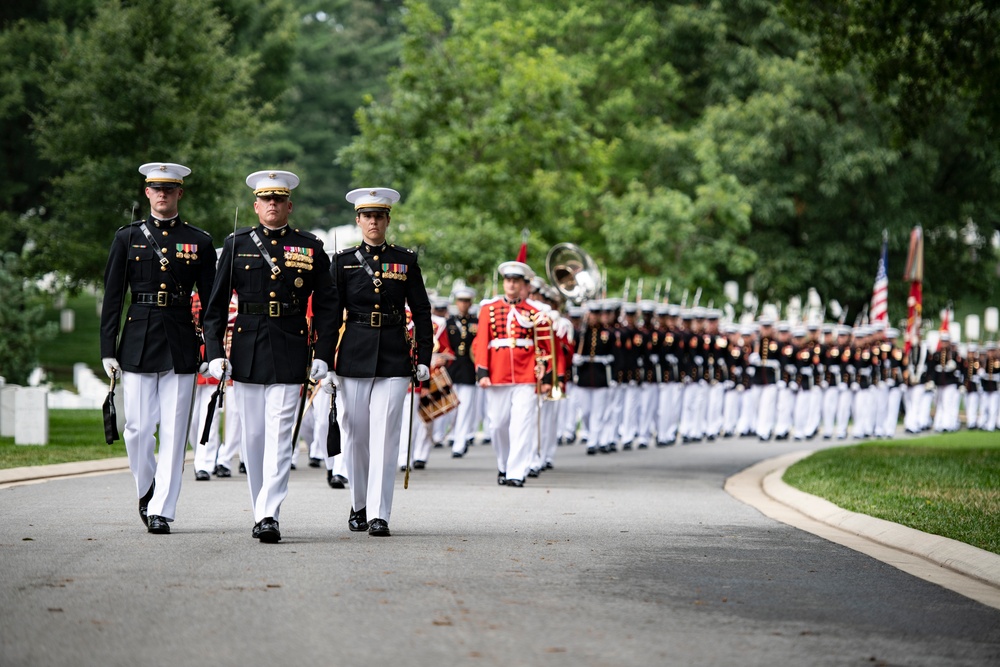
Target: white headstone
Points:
(31, 418)
(67, 320)
(7, 394)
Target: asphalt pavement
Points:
(631, 558)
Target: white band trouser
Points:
(513, 426)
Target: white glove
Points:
(782, 384)
(319, 370)
(423, 373)
(219, 369)
(754, 359)
(794, 386)
(855, 386)
(329, 383)
(203, 368)
(111, 367)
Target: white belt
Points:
(511, 342)
(596, 359)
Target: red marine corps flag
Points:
(914, 274)
(880, 292)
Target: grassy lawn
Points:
(80, 345)
(74, 435)
(947, 485)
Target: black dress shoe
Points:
(293, 466)
(255, 533)
(313, 463)
(202, 475)
(335, 481)
(268, 531)
(457, 455)
(627, 447)
(358, 521)
(548, 466)
(222, 471)
(379, 528)
(419, 465)
(532, 472)
(243, 468)
(501, 478)
(144, 503)
(158, 525)
(516, 483)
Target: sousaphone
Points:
(573, 272)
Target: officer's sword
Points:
(111, 434)
(218, 396)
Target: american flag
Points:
(879, 311)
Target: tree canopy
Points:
(690, 142)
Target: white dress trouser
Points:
(373, 411)
(151, 400)
(268, 414)
(421, 434)
(766, 409)
(512, 409)
(668, 411)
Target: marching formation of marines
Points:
(279, 318)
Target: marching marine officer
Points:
(159, 260)
(374, 283)
(273, 268)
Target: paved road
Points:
(634, 558)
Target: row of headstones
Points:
(24, 414)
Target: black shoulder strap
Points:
(164, 262)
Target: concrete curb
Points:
(761, 486)
(55, 470)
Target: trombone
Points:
(554, 393)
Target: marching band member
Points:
(461, 331)
(421, 432)
(592, 372)
(506, 367)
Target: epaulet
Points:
(347, 250)
(242, 231)
(403, 248)
(308, 235)
(197, 229)
(131, 224)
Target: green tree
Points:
(139, 83)
(696, 142)
(22, 322)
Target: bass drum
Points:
(440, 399)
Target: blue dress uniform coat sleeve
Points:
(156, 337)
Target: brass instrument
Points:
(554, 393)
(573, 272)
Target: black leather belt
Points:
(162, 299)
(269, 308)
(375, 320)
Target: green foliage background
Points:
(687, 143)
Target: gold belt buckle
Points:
(376, 320)
(274, 309)
(162, 299)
